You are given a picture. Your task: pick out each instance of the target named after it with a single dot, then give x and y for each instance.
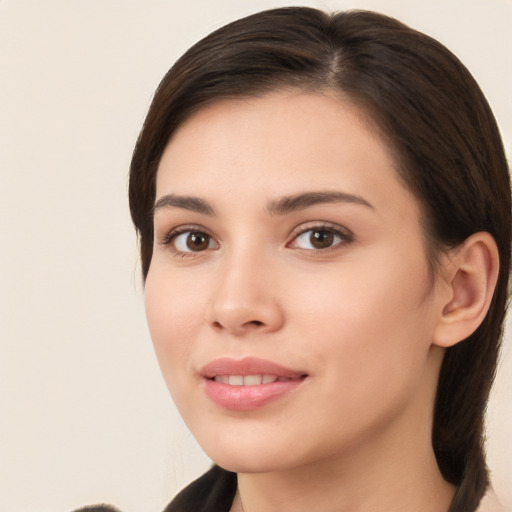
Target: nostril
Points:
(253, 323)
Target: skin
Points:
(359, 317)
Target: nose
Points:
(245, 299)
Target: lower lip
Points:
(249, 398)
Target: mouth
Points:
(249, 383)
(249, 380)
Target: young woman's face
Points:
(289, 298)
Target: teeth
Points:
(236, 380)
(252, 380)
(247, 380)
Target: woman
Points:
(323, 206)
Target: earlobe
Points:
(471, 276)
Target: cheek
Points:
(371, 321)
(173, 313)
(368, 343)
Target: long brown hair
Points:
(447, 150)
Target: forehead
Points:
(280, 143)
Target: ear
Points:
(471, 276)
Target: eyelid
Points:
(169, 236)
(345, 233)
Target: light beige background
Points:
(84, 414)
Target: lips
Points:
(249, 383)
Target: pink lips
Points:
(248, 383)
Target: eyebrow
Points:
(194, 204)
(304, 200)
(281, 206)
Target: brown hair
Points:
(446, 145)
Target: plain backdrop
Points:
(84, 413)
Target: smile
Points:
(248, 384)
(248, 380)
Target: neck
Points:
(394, 470)
(407, 483)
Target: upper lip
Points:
(247, 366)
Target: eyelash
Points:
(344, 236)
(170, 238)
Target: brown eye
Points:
(321, 238)
(193, 241)
(198, 241)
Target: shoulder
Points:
(98, 508)
(490, 503)
(212, 492)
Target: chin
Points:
(247, 452)
(250, 450)
(249, 463)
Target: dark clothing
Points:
(212, 492)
